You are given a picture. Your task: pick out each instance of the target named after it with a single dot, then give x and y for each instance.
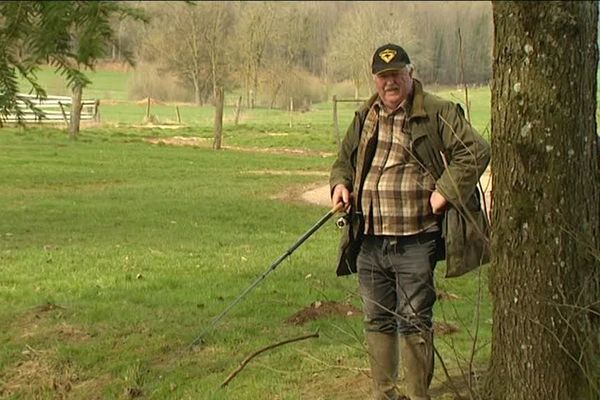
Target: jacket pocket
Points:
(467, 243)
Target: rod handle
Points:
(338, 207)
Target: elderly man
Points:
(407, 157)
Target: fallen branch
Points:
(269, 347)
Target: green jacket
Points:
(436, 126)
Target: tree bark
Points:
(196, 82)
(218, 129)
(75, 119)
(546, 225)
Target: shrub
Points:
(148, 81)
(279, 86)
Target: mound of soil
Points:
(322, 309)
(444, 328)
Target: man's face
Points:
(393, 87)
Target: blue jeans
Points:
(395, 276)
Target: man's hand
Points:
(438, 202)
(341, 194)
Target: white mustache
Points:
(391, 88)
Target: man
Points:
(407, 157)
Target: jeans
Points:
(395, 275)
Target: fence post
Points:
(63, 113)
(291, 109)
(75, 119)
(218, 128)
(178, 115)
(96, 116)
(238, 108)
(335, 121)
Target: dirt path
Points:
(317, 193)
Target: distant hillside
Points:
(108, 83)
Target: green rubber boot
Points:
(383, 358)
(416, 351)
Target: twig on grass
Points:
(269, 347)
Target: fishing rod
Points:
(272, 268)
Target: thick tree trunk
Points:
(544, 276)
(218, 128)
(75, 119)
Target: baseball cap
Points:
(389, 57)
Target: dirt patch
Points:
(180, 141)
(322, 309)
(207, 142)
(319, 194)
(325, 309)
(42, 308)
(444, 328)
(41, 375)
(299, 193)
(150, 125)
(148, 99)
(48, 320)
(286, 172)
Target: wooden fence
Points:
(336, 124)
(55, 109)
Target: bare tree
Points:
(360, 31)
(175, 41)
(546, 224)
(218, 19)
(254, 35)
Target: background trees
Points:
(268, 52)
(271, 52)
(545, 279)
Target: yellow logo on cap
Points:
(387, 55)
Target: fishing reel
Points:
(342, 221)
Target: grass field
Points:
(111, 88)
(116, 253)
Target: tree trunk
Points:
(238, 110)
(74, 121)
(196, 82)
(254, 89)
(219, 101)
(546, 224)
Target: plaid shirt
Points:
(396, 191)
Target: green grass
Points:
(111, 85)
(115, 254)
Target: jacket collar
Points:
(417, 110)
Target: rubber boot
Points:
(416, 351)
(383, 358)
